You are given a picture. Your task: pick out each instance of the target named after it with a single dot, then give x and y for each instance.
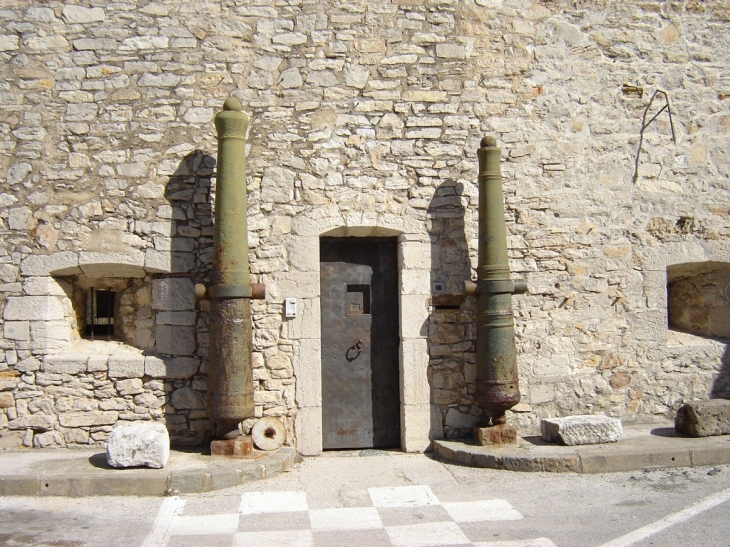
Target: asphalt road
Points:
(376, 498)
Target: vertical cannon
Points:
(230, 375)
(497, 386)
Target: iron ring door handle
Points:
(359, 345)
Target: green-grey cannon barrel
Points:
(230, 375)
(497, 386)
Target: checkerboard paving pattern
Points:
(403, 516)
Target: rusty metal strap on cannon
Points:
(254, 290)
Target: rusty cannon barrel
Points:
(230, 375)
(497, 386)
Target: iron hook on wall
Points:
(645, 124)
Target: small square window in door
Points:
(357, 301)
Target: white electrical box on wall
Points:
(290, 307)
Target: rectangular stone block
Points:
(704, 418)
(88, 419)
(497, 434)
(582, 429)
(175, 340)
(242, 447)
(32, 421)
(33, 308)
(64, 263)
(73, 363)
(16, 330)
(126, 366)
(173, 294)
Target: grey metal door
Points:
(360, 370)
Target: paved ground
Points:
(375, 498)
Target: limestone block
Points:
(415, 389)
(112, 264)
(65, 363)
(582, 429)
(307, 323)
(459, 420)
(414, 316)
(32, 421)
(187, 399)
(173, 294)
(126, 365)
(307, 370)
(78, 14)
(704, 418)
(304, 253)
(9, 43)
(416, 281)
(184, 318)
(16, 330)
(175, 340)
(418, 255)
(132, 386)
(51, 330)
(138, 444)
(33, 308)
(416, 423)
(42, 286)
(157, 261)
(155, 367)
(181, 368)
(308, 427)
(277, 185)
(88, 419)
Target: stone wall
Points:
(366, 116)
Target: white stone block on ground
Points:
(138, 444)
(582, 429)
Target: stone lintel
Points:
(582, 429)
(704, 418)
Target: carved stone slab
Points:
(138, 444)
(582, 429)
(704, 418)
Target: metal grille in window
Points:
(100, 313)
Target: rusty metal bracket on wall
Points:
(645, 124)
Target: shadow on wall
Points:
(451, 329)
(721, 385)
(181, 340)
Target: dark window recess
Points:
(357, 301)
(100, 313)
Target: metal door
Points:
(360, 372)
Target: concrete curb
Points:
(79, 476)
(659, 447)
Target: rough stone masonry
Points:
(366, 116)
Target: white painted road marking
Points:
(254, 503)
(675, 518)
(169, 508)
(402, 496)
(345, 518)
(477, 511)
